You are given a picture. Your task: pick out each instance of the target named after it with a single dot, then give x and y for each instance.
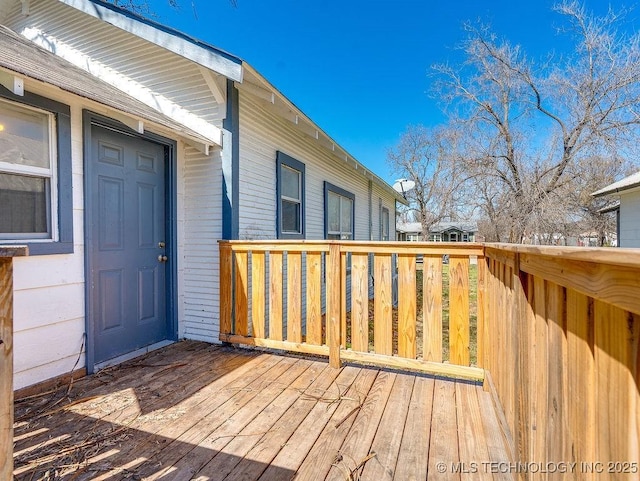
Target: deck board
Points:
(195, 411)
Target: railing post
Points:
(226, 289)
(6, 368)
(6, 357)
(334, 301)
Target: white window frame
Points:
(39, 172)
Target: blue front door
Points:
(126, 243)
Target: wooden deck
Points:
(196, 411)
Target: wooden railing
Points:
(562, 349)
(7, 253)
(371, 302)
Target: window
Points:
(290, 192)
(338, 213)
(465, 237)
(385, 225)
(26, 173)
(35, 174)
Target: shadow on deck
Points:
(197, 411)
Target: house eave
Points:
(172, 40)
(262, 89)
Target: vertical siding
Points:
(200, 204)
(630, 220)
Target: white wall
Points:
(262, 134)
(630, 219)
(49, 321)
(199, 229)
(49, 290)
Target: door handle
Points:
(162, 258)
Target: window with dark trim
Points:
(35, 173)
(290, 197)
(385, 224)
(339, 213)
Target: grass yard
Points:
(473, 304)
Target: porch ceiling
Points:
(22, 57)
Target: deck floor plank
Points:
(414, 450)
(238, 447)
(158, 427)
(443, 449)
(293, 453)
(473, 449)
(357, 445)
(323, 453)
(135, 374)
(196, 446)
(195, 411)
(261, 455)
(386, 444)
(497, 446)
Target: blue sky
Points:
(361, 69)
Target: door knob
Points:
(162, 258)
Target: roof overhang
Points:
(627, 184)
(173, 40)
(259, 87)
(22, 60)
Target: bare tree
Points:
(428, 158)
(143, 7)
(531, 131)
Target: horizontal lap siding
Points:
(49, 320)
(262, 134)
(199, 263)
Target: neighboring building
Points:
(127, 150)
(627, 211)
(440, 232)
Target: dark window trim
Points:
(329, 187)
(62, 114)
(284, 159)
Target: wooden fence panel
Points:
(360, 302)
(432, 308)
(242, 294)
(258, 293)
(459, 310)
(275, 296)
(407, 306)
(383, 306)
(314, 298)
(294, 296)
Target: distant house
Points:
(440, 232)
(627, 210)
(127, 151)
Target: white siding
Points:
(262, 134)
(200, 228)
(49, 321)
(49, 290)
(630, 219)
